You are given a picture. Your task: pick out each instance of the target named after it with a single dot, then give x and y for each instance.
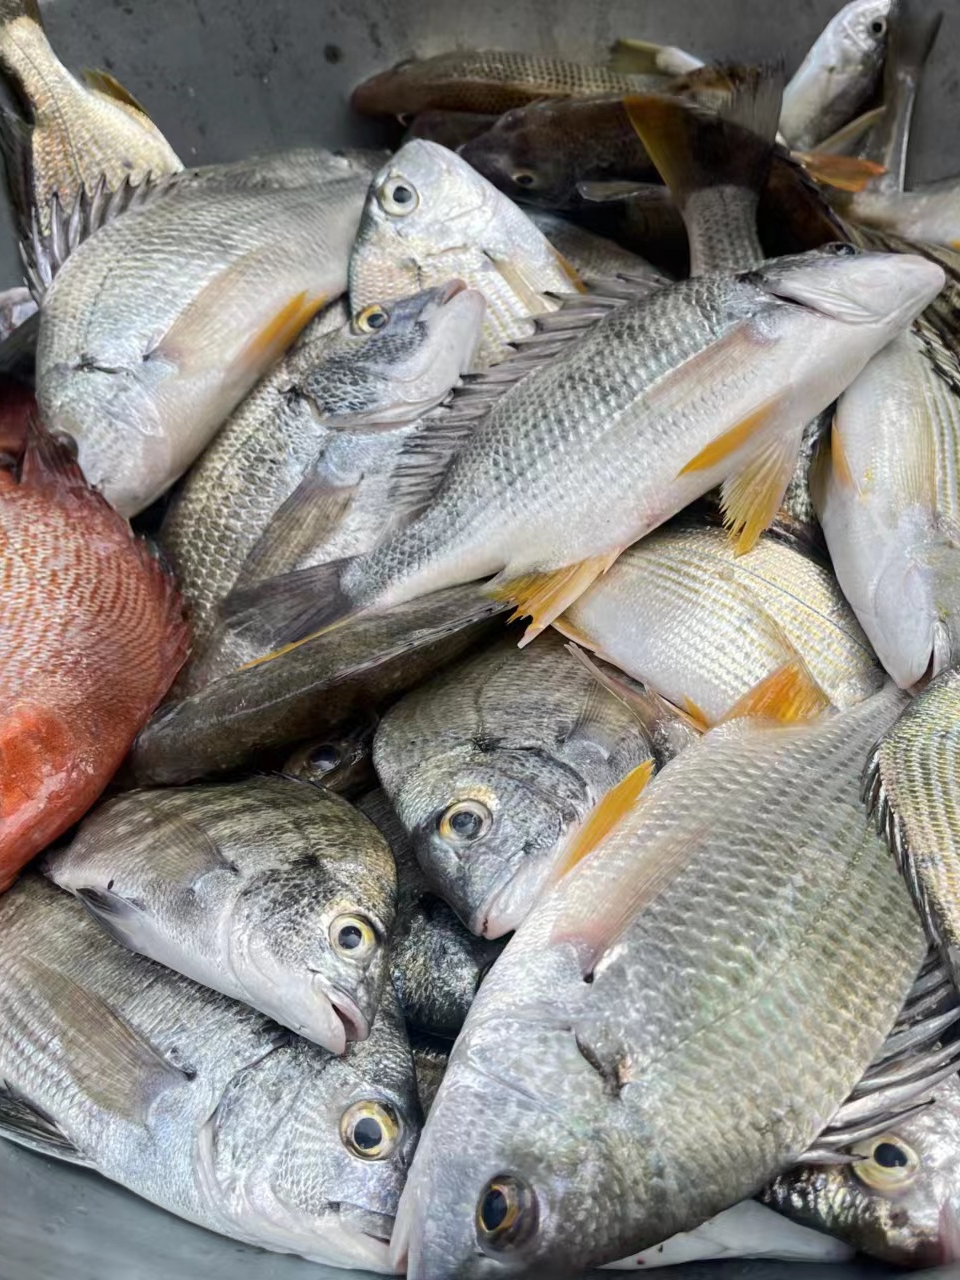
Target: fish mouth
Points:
(369, 1234)
(497, 916)
(450, 290)
(346, 1021)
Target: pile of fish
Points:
(480, 643)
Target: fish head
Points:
(858, 34)
(520, 1146)
(882, 290)
(307, 1153)
(340, 761)
(487, 826)
(308, 939)
(524, 157)
(403, 357)
(900, 1198)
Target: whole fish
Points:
(592, 255)
(543, 152)
(436, 964)
(341, 761)
(486, 81)
(450, 128)
(428, 216)
(335, 392)
(839, 75)
(193, 1101)
(700, 625)
(159, 324)
(910, 785)
(886, 496)
(91, 636)
(493, 764)
(73, 134)
(319, 685)
(269, 890)
(681, 985)
(704, 382)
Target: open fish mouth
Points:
(355, 1023)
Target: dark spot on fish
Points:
(588, 978)
(332, 52)
(485, 742)
(612, 1080)
(110, 884)
(127, 164)
(306, 862)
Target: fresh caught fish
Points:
(269, 890)
(73, 133)
(839, 75)
(886, 496)
(682, 984)
(159, 324)
(91, 636)
(594, 256)
(910, 785)
(484, 80)
(193, 1101)
(492, 766)
(428, 216)
(341, 762)
(436, 964)
(319, 685)
(331, 400)
(701, 626)
(705, 382)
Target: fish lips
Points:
(335, 1018)
(511, 902)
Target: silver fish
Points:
(269, 890)
(194, 1102)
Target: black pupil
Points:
(377, 319)
(349, 937)
(325, 758)
(889, 1156)
(466, 824)
(877, 26)
(493, 1210)
(402, 195)
(524, 179)
(367, 1133)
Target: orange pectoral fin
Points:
(542, 597)
(605, 816)
(788, 695)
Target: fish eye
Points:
(878, 26)
(840, 249)
(524, 178)
(370, 1130)
(398, 196)
(353, 936)
(507, 1214)
(465, 821)
(324, 758)
(372, 318)
(889, 1164)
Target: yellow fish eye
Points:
(353, 936)
(465, 821)
(889, 1164)
(399, 197)
(507, 1213)
(372, 318)
(370, 1130)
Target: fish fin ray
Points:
(109, 86)
(23, 1122)
(605, 816)
(789, 695)
(845, 173)
(290, 607)
(751, 495)
(542, 596)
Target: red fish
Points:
(91, 636)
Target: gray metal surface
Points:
(224, 78)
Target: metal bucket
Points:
(224, 79)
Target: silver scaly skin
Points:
(272, 891)
(194, 1102)
(711, 968)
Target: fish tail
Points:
(713, 145)
(285, 610)
(11, 10)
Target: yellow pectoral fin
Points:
(727, 444)
(542, 597)
(604, 817)
(267, 346)
(788, 696)
(751, 496)
(846, 173)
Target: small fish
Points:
(335, 399)
(487, 81)
(885, 491)
(436, 964)
(428, 216)
(74, 133)
(701, 626)
(314, 687)
(159, 324)
(271, 891)
(450, 128)
(839, 75)
(680, 985)
(705, 382)
(910, 784)
(341, 762)
(492, 766)
(91, 636)
(193, 1101)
